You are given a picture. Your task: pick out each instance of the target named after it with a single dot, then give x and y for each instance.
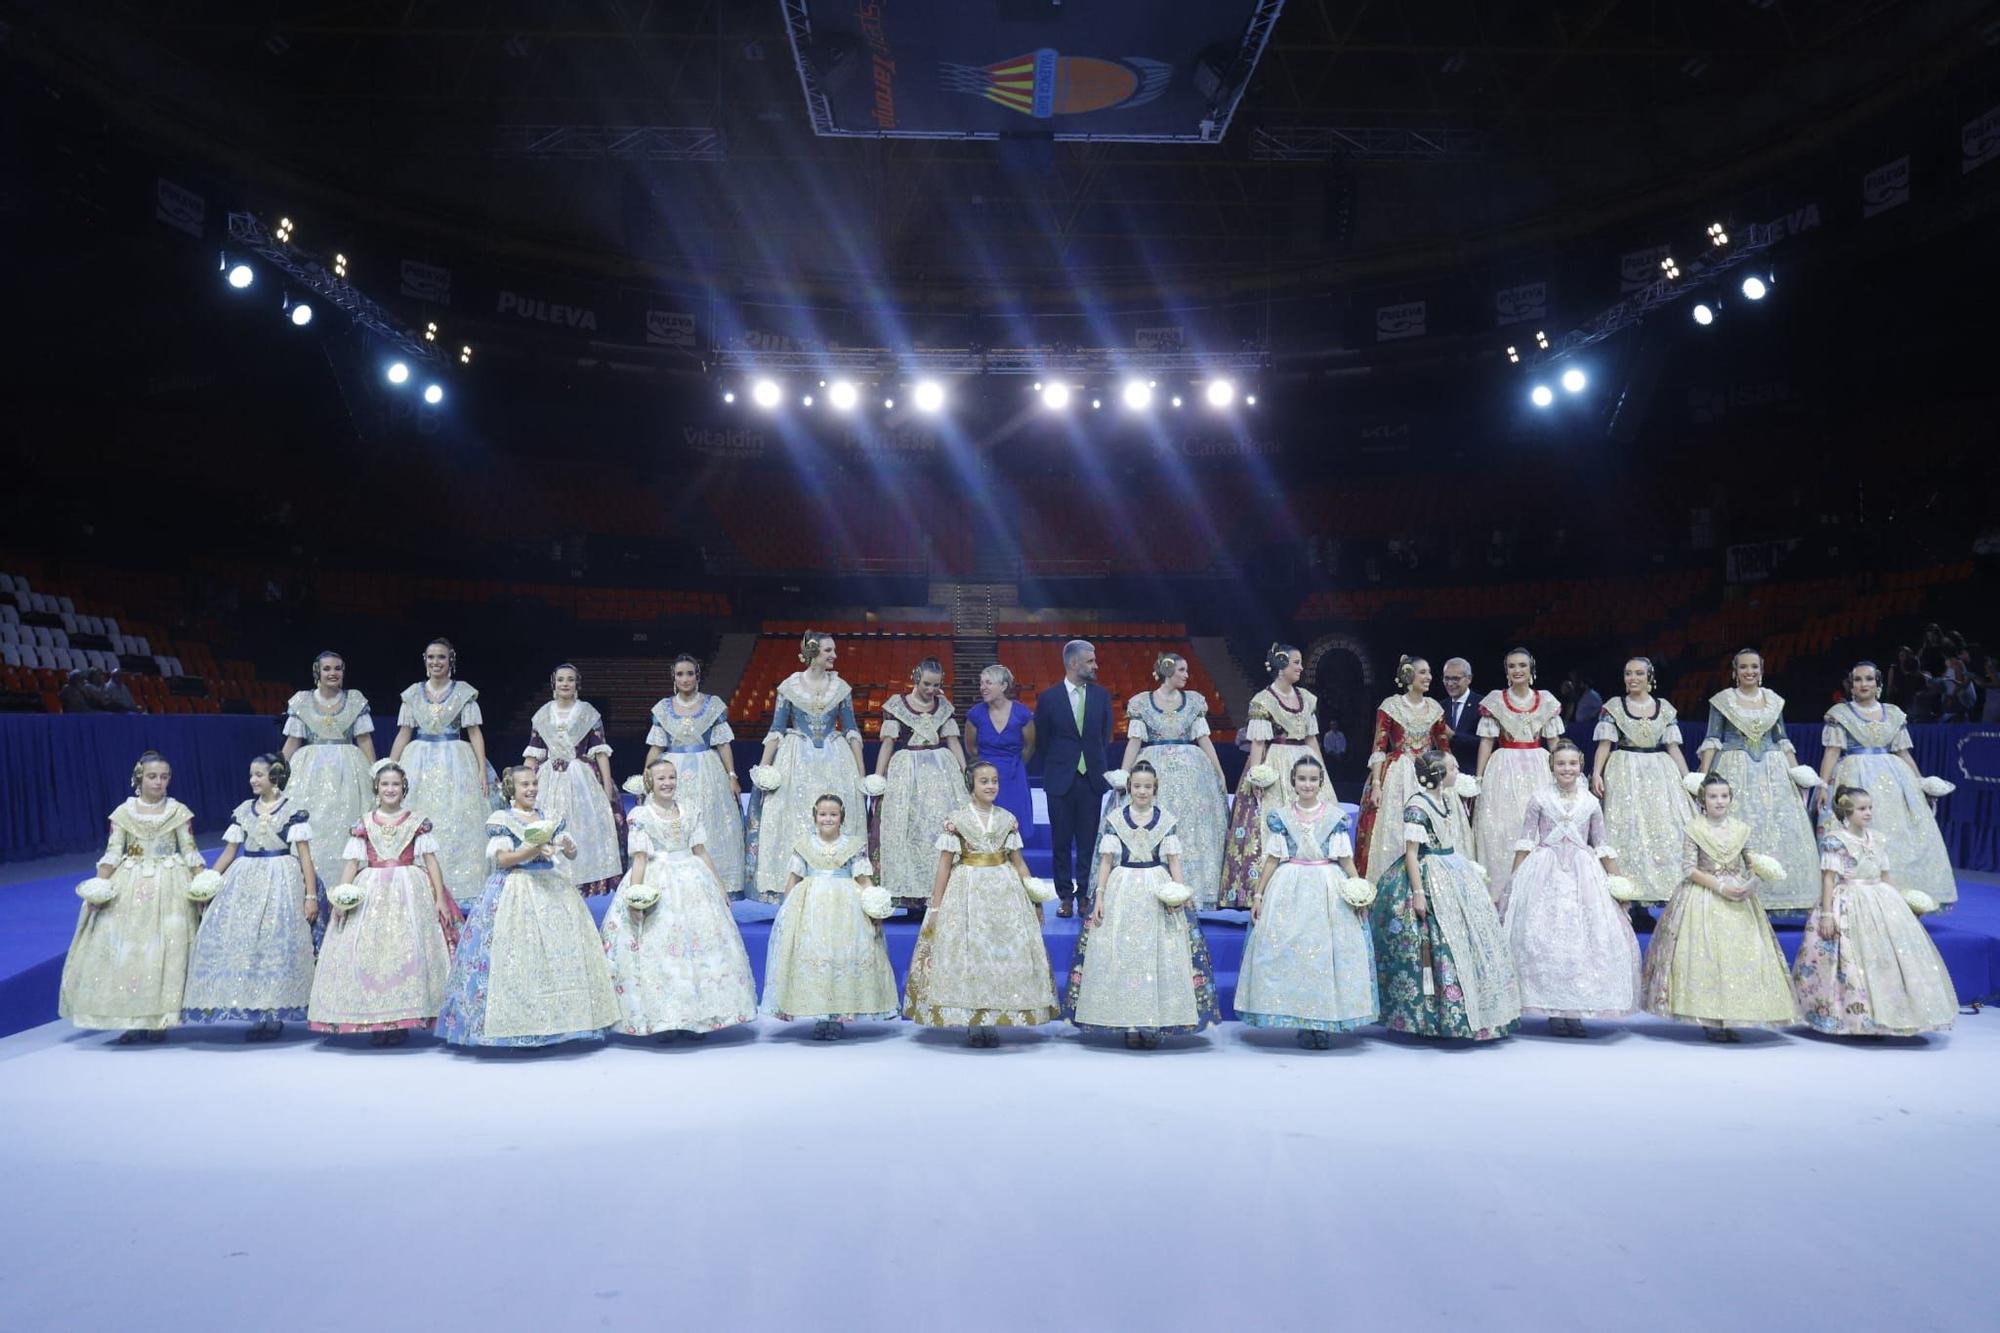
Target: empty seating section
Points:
(367, 593)
(875, 659)
(1126, 652)
(773, 524)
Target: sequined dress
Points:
(383, 963)
(447, 783)
(329, 775)
(1757, 759)
(1402, 732)
(1288, 733)
(567, 745)
(925, 783)
(980, 959)
(1189, 785)
(127, 964)
(679, 965)
(813, 760)
(1146, 967)
(1309, 961)
(1879, 975)
(1871, 758)
(1714, 961)
(253, 956)
(1645, 806)
(698, 743)
(1572, 942)
(827, 959)
(1516, 770)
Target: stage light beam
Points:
(1541, 395)
(765, 393)
(928, 396)
(302, 314)
(1573, 380)
(1137, 395)
(241, 276)
(1704, 313)
(843, 395)
(433, 394)
(398, 373)
(1755, 288)
(1220, 393)
(1055, 396)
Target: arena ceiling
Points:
(628, 136)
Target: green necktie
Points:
(1076, 702)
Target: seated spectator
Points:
(1989, 691)
(1958, 697)
(117, 699)
(79, 695)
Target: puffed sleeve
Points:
(1487, 726)
(1198, 729)
(657, 734)
(406, 716)
(1417, 826)
(848, 726)
(892, 730)
(425, 845)
(1832, 856)
(1605, 730)
(1833, 736)
(1012, 842)
(536, 749)
(1713, 740)
(234, 833)
(947, 842)
(1596, 836)
(861, 867)
(300, 830)
(636, 841)
(1258, 728)
(1135, 721)
(1171, 845)
(696, 831)
(598, 744)
(1553, 730)
(948, 729)
(1902, 741)
(295, 726)
(1534, 824)
(797, 866)
(355, 850)
(469, 716)
(1108, 845)
(1274, 842)
(1672, 735)
(1340, 845)
(720, 734)
(364, 723)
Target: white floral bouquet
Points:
(1466, 786)
(1479, 871)
(876, 904)
(874, 785)
(344, 897)
(1805, 776)
(641, 897)
(1623, 888)
(204, 886)
(766, 778)
(1766, 868)
(635, 786)
(1263, 775)
(1919, 902)
(1935, 787)
(1117, 777)
(538, 832)
(1356, 891)
(1173, 894)
(1039, 890)
(97, 891)
(1691, 782)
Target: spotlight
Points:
(433, 394)
(241, 276)
(1573, 380)
(340, 266)
(1670, 268)
(1055, 396)
(1754, 288)
(765, 394)
(729, 395)
(284, 231)
(888, 404)
(1717, 236)
(806, 401)
(1251, 400)
(465, 355)
(843, 395)
(1137, 395)
(1038, 386)
(928, 396)
(1220, 393)
(1704, 313)
(1176, 400)
(1541, 395)
(1513, 355)
(1541, 340)
(398, 373)
(431, 332)
(302, 314)
(1096, 403)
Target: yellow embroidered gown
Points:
(128, 960)
(827, 959)
(1714, 961)
(980, 959)
(1645, 806)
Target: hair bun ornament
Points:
(1692, 783)
(635, 785)
(876, 904)
(97, 891)
(1767, 868)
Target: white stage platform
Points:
(1643, 1178)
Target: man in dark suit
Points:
(1461, 713)
(1073, 730)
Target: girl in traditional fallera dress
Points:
(447, 768)
(1573, 946)
(692, 729)
(1002, 732)
(1406, 725)
(677, 958)
(530, 969)
(1638, 774)
(1309, 963)
(1714, 960)
(1141, 965)
(1866, 967)
(1441, 957)
(980, 962)
(919, 778)
(572, 759)
(329, 746)
(1746, 744)
(1515, 726)
(127, 966)
(827, 960)
(1868, 746)
(1167, 728)
(814, 747)
(253, 957)
(1283, 725)
(387, 952)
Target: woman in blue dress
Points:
(1001, 731)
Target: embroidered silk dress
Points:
(1714, 961)
(980, 959)
(1169, 740)
(384, 963)
(1757, 759)
(1573, 946)
(1309, 961)
(567, 744)
(329, 776)
(1645, 806)
(1287, 733)
(1449, 974)
(1879, 975)
(1146, 967)
(530, 969)
(253, 957)
(1517, 769)
(1402, 732)
(698, 743)
(446, 783)
(813, 760)
(1871, 746)
(827, 959)
(128, 960)
(925, 784)
(679, 965)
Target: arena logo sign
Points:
(534, 309)
(424, 282)
(1979, 141)
(1802, 219)
(1886, 187)
(1707, 404)
(1638, 269)
(669, 328)
(734, 442)
(1512, 305)
(179, 207)
(1406, 319)
(1228, 446)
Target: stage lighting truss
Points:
(340, 266)
(1541, 340)
(431, 331)
(1670, 268)
(465, 355)
(1718, 235)
(313, 279)
(282, 233)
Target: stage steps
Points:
(721, 676)
(975, 645)
(1213, 653)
